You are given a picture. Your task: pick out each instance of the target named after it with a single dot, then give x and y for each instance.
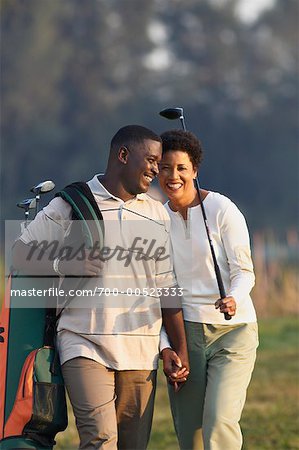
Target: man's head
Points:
(135, 152)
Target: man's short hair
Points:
(132, 135)
(184, 141)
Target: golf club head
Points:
(43, 187)
(172, 113)
(28, 203)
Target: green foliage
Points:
(273, 397)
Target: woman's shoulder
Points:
(224, 207)
(218, 200)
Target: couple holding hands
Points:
(109, 350)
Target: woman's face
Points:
(176, 174)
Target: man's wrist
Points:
(164, 348)
(56, 263)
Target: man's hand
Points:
(91, 266)
(175, 371)
(226, 305)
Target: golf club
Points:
(42, 188)
(178, 113)
(173, 114)
(27, 204)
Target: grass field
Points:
(271, 415)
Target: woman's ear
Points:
(123, 154)
(195, 173)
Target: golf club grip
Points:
(220, 284)
(216, 267)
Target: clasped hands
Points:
(176, 369)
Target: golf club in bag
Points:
(27, 204)
(178, 113)
(42, 188)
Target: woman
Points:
(207, 410)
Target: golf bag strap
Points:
(84, 208)
(76, 195)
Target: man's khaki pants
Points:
(207, 410)
(113, 409)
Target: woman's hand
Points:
(226, 305)
(174, 369)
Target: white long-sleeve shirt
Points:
(194, 265)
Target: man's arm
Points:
(40, 262)
(30, 262)
(175, 359)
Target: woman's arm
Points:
(236, 242)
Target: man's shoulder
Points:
(155, 206)
(58, 209)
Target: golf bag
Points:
(32, 395)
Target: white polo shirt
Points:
(120, 325)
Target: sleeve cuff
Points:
(164, 341)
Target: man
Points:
(109, 347)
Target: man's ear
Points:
(123, 154)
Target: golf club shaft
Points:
(216, 267)
(183, 122)
(37, 198)
(26, 218)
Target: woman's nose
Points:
(173, 173)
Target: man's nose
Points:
(155, 168)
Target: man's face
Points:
(142, 166)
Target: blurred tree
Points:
(239, 86)
(73, 72)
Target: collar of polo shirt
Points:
(98, 189)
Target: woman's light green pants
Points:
(207, 410)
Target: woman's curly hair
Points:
(185, 141)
